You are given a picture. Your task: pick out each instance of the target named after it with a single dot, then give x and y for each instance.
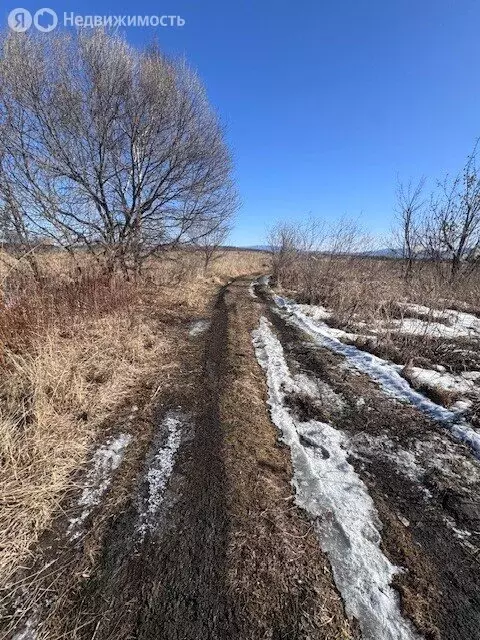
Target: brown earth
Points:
(230, 557)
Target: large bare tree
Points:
(107, 147)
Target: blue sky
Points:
(325, 103)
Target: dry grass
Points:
(73, 350)
(54, 398)
(371, 288)
(367, 296)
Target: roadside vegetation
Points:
(419, 306)
(115, 196)
(75, 350)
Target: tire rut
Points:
(171, 585)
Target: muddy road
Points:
(265, 491)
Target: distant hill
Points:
(382, 253)
(259, 247)
(374, 253)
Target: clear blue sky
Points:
(325, 102)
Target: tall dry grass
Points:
(371, 288)
(74, 347)
(72, 351)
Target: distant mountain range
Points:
(374, 253)
(383, 253)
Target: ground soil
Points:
(231, 556)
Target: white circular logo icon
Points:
(20, 20)
(45, 20)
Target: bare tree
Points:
(107, 147)
(16, 235)
(409, 210)
(210, 241)
(312, 257)
(453, 230)
(284, 244)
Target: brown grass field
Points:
(84, 358)
(73, 351)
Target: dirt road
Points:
(197, 531)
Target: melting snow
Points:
(27, 633)
(197, 327)
(381, 445)
(106, 459)
(466, 324)
(438, 323)
(439, 380)
(160, 469)
(418, 327)
(318, 390)
(381, 371)
(329, 489)
(316, 312)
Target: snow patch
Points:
(418, 327)
(446, 323)
(319, 390)
(443, 381)
(471, 375)
(27, 633)
(160, 469)
(329, 489)
(461, 534)
(366, 444)
(320, 314)
(105, 461)
(381, 371)
(316, 312)
(198, 326)
(461, 406)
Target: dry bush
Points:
(371, 288)
(350, 286)
(368, 295)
